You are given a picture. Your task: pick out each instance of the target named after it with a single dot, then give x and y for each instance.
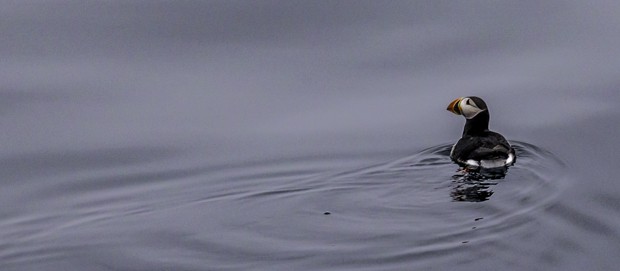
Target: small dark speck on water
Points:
(327, 213)
(465, 242)
(480, 218)
(473, 228)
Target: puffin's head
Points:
(469, 107)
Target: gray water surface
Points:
(302, 135)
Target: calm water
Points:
(301, 135)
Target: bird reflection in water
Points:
(475, 186)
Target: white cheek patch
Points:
(469, 110)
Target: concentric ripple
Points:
(306, 213)
(415, 211)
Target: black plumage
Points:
(478, 145)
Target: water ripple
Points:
(297, 214)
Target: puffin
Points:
(479, 148)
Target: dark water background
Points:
(216, 135)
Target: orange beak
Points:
(455, 106)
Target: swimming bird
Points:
(479, 147)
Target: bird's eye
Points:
(471, 103)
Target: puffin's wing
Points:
(497, 141)
(480, 153)
(481, 147)
(492, 145)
